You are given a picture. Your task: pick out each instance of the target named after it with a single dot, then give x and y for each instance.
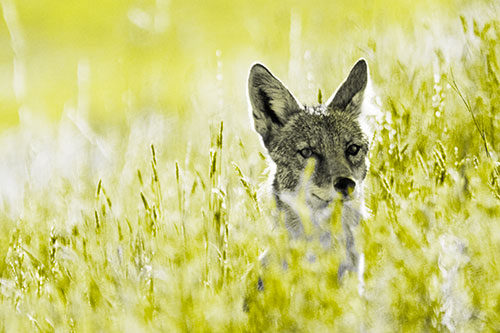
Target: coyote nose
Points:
(344, 186)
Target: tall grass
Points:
(160, 225)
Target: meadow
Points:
(132, 185)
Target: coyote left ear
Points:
(349, 95)
(272, 103)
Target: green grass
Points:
(150, 218)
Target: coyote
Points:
(332, 136)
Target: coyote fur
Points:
(332, 136)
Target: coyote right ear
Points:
(272, 103)
(349, 95)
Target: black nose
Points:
(344, 186)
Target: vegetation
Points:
(131, 179)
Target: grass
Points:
(154, 221)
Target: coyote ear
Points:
(272, 103)
(349, 95)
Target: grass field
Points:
(130, 176)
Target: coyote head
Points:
(329, 133)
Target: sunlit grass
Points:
(133, 188)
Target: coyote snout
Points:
(345, 186)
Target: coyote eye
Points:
(353, 150)
(306, 152)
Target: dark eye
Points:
(306, 152)
(353, 150)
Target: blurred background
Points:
(127, 157)
(111, 59)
